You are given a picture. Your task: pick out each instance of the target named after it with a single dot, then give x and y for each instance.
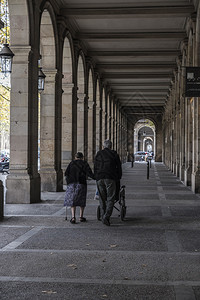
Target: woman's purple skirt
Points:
(75, 195)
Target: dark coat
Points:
(107, 165)
(77, 172)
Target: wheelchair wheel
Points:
(122, 212)
(98, 213)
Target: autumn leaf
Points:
(49, 292)
(113, 246)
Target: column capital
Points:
(67, 88)
(81, 97)
(90, 104)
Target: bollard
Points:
(1, 201)
(147, 169)
(132, 164)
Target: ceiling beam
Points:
(159, 10)
(143, 91)
(137, 75)
(147, 66)
(132, 35)
(147, 100)
(140, 84)
(143, 104)
(137, 53)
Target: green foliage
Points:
(4, 91)
(4, 109)
(6, 29)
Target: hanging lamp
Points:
(6, 54)
(41, 76)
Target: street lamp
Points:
(41, 76)
(41, 79)
(6, 54)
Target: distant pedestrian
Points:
(108, 172)
(76, 176)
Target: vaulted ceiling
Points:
(134, 44)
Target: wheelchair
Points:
(121, 205)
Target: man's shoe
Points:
(106, 222)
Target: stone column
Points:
(118, 131)
(130, 141)
(47, 134)
(103, 126)
(188, 162)
(80, 122)
(158, 157)
(195, 176)
(98, 128)
(116, 125)
(23, 182)
(67, 136)
(91, 132)
(113, 126)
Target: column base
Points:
(60, 181)
(177, 170)
(1, 201)
(181, 173)
(22, 189)
(48, 180)
(195, 182)
(174, 168)
(158, 158)
(187, 177)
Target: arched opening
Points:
(47, 104)
(81, 106)
(67, 98)
(144, 138)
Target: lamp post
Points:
(6, 54)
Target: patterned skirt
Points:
(75, 195)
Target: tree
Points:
(6, 29)
(4, 109)
(4, 91)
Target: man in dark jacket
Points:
(108, 171)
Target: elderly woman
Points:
(76, 176)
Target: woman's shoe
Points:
(73, 220)
(82, 219)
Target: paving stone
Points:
(181, 197)
(187, 211)
(150, 255)
(57, 291)
(190, 240)
(9, 234)
(94, 239)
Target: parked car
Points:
(150, 155)
(140, 156)
(4, 167)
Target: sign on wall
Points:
(192, 85)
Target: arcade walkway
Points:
(153, 254)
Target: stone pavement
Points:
(153, 254)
